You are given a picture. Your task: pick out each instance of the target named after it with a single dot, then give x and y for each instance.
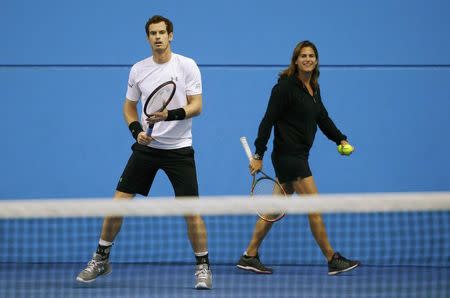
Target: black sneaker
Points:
(340, 264)
(253, 264)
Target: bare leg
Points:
(112, 225)
(262, 227)
(197, 233)
(99, 265)
(307, 186)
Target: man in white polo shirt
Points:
(169, 147)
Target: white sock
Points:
(104, 243)
(201, 254)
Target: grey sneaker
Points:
(340, 264)
(203, 277)
(94, 269)
(253, 264)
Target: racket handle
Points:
(246, 148)
(150, 130)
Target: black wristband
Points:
(135, 127)
(177, 114)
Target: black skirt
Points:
(290, 167)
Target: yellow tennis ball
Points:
(339, 148)
(347, 149)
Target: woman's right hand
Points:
(255, 166)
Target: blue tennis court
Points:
(150, 280)
(403, 254)
(65, 69)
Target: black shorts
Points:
(290, 167)
(144, 163)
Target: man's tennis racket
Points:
(263, 185)
(158, 100)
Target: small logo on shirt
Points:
(130, 85)
(175, 79)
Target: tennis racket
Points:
(263, 185)
(158, 100)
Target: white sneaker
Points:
(94, 269)
(203, 277)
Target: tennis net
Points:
(401, 239)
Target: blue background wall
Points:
(385, 77)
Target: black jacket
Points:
(295, 115)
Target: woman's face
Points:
(307, 60)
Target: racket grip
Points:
(246, 147)
(150, 130)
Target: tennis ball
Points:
(339, 148)
(347, 149)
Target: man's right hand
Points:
(143, 138)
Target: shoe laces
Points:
(202, 272)
(342, 261)
(92, 265)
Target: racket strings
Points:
(158, 101)
(265, 187)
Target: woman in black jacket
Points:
(295, 110)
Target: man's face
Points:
(158, 37)
(307, 60)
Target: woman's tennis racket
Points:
(158, 100)
(263, 185)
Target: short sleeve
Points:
(193, 79)
(133, 91)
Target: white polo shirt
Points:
(146, 75)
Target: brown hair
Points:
(292, 68)
(158, 19)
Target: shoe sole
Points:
(345, 270)
(202, 286)
(79, 279)
(253, 269)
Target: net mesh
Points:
(402, 241)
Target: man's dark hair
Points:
(158, 19)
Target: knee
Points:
(288, 188)
(123, 196)
(315, 218)
(193, 219)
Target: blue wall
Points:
(64, 65)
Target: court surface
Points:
(149, 280)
